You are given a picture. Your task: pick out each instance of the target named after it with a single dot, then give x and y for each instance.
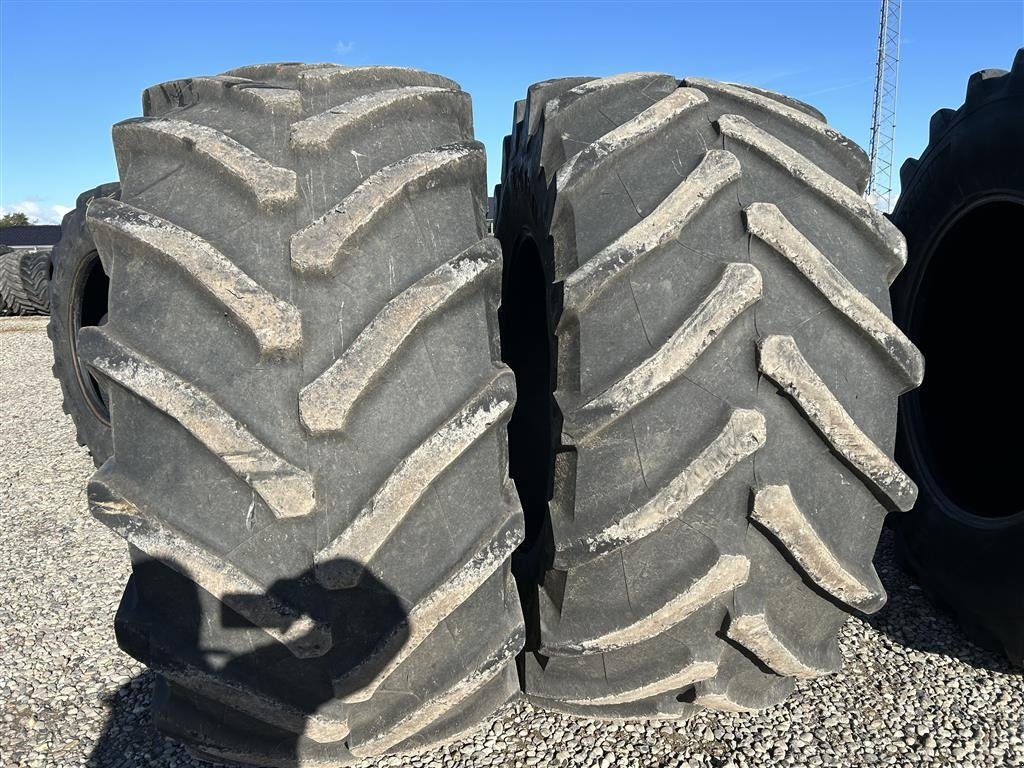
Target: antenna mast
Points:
(883, 115)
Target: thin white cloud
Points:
(36, 212)
(837, 87)
(343, 49)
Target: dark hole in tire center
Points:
(527, 347)
(965, 317)
(90, 295)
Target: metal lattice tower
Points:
(883, 116)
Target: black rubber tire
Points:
(23, 278)
(320, 562)
(961, 208)
(78, 294)
(632, 246)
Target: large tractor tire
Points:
(23, 279)
(696, 308)
(309, 410)
(78, 299)
(961, 209)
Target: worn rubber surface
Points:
(961, 209)
(714, 294)
(23, 279)
(308, 406)
(78, 289)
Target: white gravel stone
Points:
(912, 691)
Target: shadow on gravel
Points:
(213, 673)
(129, 738)
(912, 620)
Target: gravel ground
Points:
(913, 690)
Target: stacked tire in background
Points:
(301, 364)
(961, 208)
(23, 279)
(308, 407)
(706, 296)
(78, 295)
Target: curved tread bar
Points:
(275, 324)
(409, 481)
(781, 361)
(287, 490)
(271, 186)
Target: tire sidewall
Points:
(70, 257)
(967, 561)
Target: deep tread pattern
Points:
(302, 360)
(303, 636)
(325, 403)
(907, 171)
(742, 435)
(832, 140)
(766, 222)
(727, 573)
(159, 99)
(742, 130)
(24, 276)
(726, 372)
(421, 716)
(423, 619)
(319, 247)
(781, 360)
(940, 122)
(275, 324)
(776, 510)
(739, 289)
(715, 172)
(410, 480)
(268, 184)
(287, 490)
(321, 132)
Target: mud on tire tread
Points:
(725, 375)
(302, 298)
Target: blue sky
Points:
(69, 70)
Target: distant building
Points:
(491, 206)
(30, 236)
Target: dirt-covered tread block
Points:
(286, 489)
(275, 324)
(303, 635)
(727, 573)
(325, 403)
(848, 152)
(309, 412)
(738, 289)
(321, 131)
(716, 170)
(696, 308)
(767, 223)
(780, 359)
(409, 481)
(856, 208)
(320, 246)
(776, 510)
(741, 436)
(268, 184)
